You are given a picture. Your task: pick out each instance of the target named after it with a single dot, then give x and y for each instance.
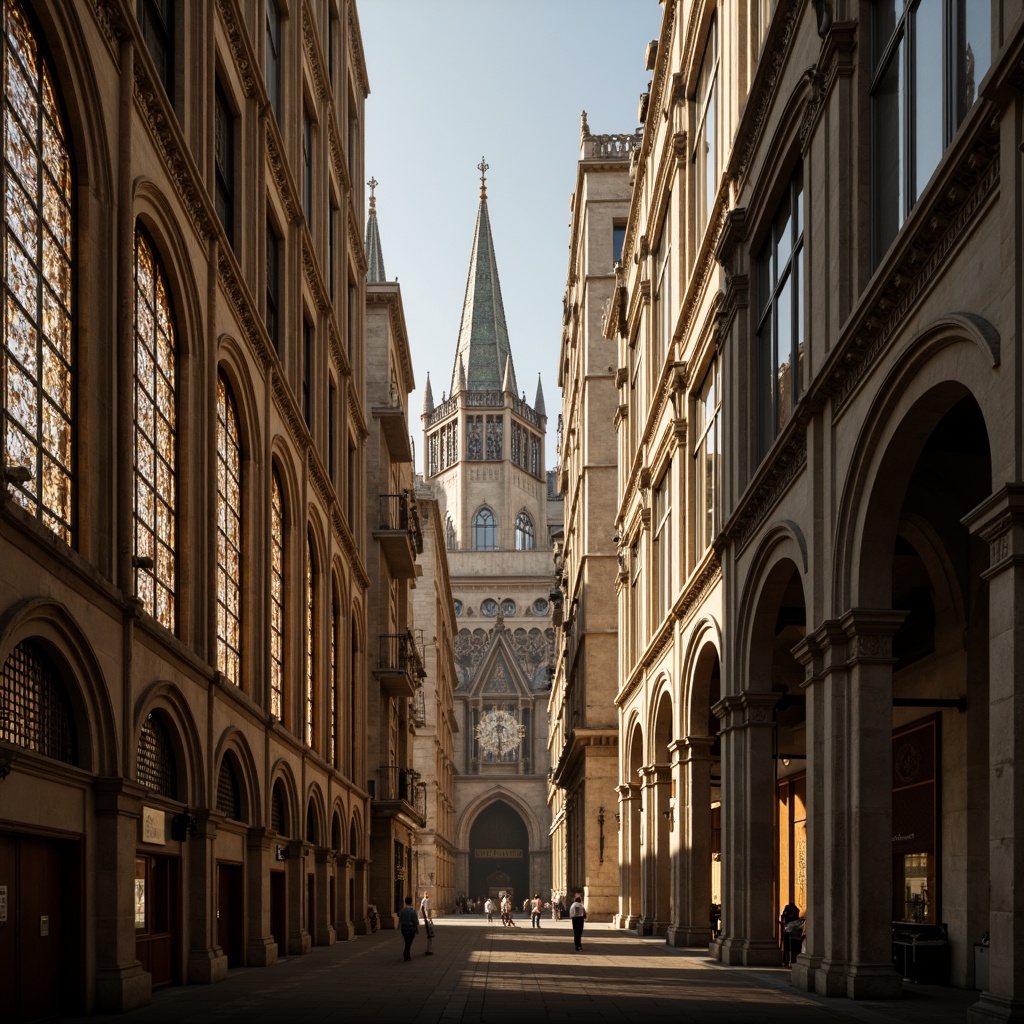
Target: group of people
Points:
(409, 923)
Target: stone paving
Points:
(482, 974)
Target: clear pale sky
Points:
(452, 81)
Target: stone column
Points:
(748, 830)
(299, 939)
(691, 882)
(207, 962)
(121, 983)
(999, 521)
(345, 927)
(866, 827)
(359, 867)
(322, 870)
(629, 855)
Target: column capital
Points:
(748, 708)
(869, 633)
(999, 521)
(691, 748)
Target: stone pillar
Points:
(629, 855)
(207, 962)
(345, 927)
(299, 939)
(691, 881)
(866, 826)
(999, 521)
(360, 870)
(323, 870)
(260, 949)
(656, 860)
(121, 983)
(748, 830)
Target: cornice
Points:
(355, 239)
(115, 28)
(311, 48)
(696, 590)
(355, 44)
(290, 411)
(238, 42)
(243, 308)
(337, 160)
(356, 409)
(279, 170)
(311, 272)
(348, 546)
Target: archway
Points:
(499, 853)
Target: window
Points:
(663, 296)
(332, 246)
(508, 607)
(928, 58)
(525, 540)
(277, 598)
(272, 319)
(635, 609)
(307, 372)
(224, 161)
(618, 241)
(156, 19)
(540, 606)
(229, 792)
(485, 531)
(36, 710)
(229, 534)
(155, 436)
(155, 766)
(449, 535)
(489, 607)
(311, 626)
(332, 425)
(780, 323)
(458, 606)
(332, 687)
(272, 65)
(706, 460)
(705, 142)
(307, 167)
(662, 548)
(37, 308)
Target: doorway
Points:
(231, 912)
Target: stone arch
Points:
(702, 662)
(472, 811)
(231, 361)
(234, 744)
(315, 818)
(282, 781)
(40, 619)
(165, 698)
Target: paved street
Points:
(492, 974)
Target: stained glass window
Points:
(310, 648)
(36, 314)
(333, 685)
(34, 709)
(229, 534)
(155, 436)
(276, 599)
(154, 759)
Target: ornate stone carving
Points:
(279, 170)
(238, 42)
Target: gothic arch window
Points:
(155, 766)
(229, 534)
(155, 435)
(277, 597)
(449, 535)
(485, 531)
(310, 645)
(312, 832)
(525, 539)
(36, 713)
(229, 791)
(36, 311)
(332, 685)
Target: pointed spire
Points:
(483, 334)
(538, 403)
(508, 382)
(428, 398)
(460, 382)
(374, 255)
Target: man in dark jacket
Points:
(410, 925)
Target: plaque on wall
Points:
(153, 822)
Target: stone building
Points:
(584, 728)
(183, 623)
(484, 448)
(820, 348)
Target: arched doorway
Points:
(499, 853)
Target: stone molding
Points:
(238, 43)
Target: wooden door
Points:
(158, 918)
(231, 913)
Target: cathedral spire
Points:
(538, 403)
(374, 255)
(483, 347)
(428, 398)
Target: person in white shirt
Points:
(489, 910)
(428, 925)
(577, 915)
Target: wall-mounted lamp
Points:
(184, 825)
(17, 474)
(785, 761)
(142, 562)
(600, 825)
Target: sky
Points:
(453, 82)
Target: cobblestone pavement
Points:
(482, 974)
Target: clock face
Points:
(498, 732)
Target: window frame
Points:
(230, 582)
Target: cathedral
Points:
(485, 466)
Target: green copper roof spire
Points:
(374, 255)
(483, 347)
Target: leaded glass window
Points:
(310, 645)
(35, 712)
(518, 445)
(224, 160)
(494, 438)
(332, 697)
(229, 534)
(38, 247)
(155, 436)
(155, 766)
(276, 598)
(525, 540)
(474, 437)
(485, 531)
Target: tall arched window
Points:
(155, 766)
(229, 534)
(311, 610)
(36, 312)
(276, 598)
(155, 436)
(449, 534)
(485, 531)
(525, 540)
(35, 712)
(332, 686)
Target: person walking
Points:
(428, 925)
(538, 907)
(409, 924)
(489, 910)
(577, 915)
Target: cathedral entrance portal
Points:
(499, 852)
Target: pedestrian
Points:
(428, 925)
(371, 913)
(790, 913)
(506, 911)
(538, 907)
(577, 915)
(489, 910)
(409, 924)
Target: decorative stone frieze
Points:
(238, 43)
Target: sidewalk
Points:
(484, 974)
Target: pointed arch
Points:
(485, 530)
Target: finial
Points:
(483, 167)
(373, 183)
(584, 127)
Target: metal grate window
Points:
(34, 709)
(154, 761)
(229, 793)
(312, 835)
(278, 812)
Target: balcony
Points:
(401, 789)
(394, 426)
(399, 665)
(398, 533)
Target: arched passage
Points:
(499, 853)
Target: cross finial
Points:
(373, 183)
(483, 167)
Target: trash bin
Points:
(980, 967)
